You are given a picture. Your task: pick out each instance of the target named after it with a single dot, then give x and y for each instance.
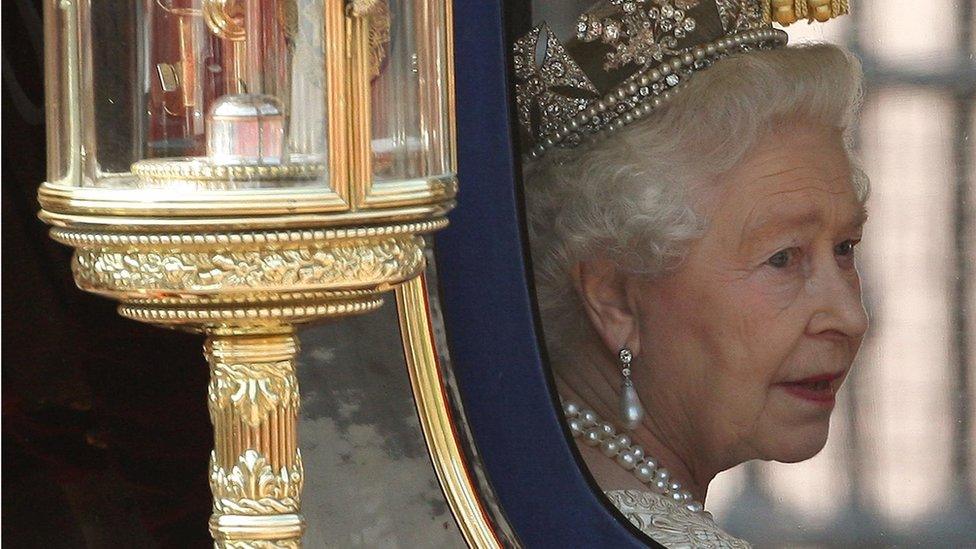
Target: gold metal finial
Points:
(787, 12)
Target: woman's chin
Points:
(798, 444)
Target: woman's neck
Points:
(590, 388)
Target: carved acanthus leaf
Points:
(253, 487)
(254, 390)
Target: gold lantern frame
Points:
(245, 268)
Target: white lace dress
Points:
(670, 524)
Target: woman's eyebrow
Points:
(799, 218)
(772, 221)
(860, 217)
(778, 219)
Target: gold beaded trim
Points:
(196, 169)
(273, 313)
(77, 238)
(257, 297)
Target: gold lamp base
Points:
(246, 290)
(243, 246)
(246, 280)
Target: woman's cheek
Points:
(762, 345)
(775, 291)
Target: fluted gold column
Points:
(255, 468)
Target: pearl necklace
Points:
(585, 423)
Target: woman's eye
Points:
(781, 258)
(846, 248)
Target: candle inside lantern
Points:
(246, 128)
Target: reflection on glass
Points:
(409, 111)
(57, 83)
(161, 87)
(374, 483)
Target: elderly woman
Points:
(695, 265)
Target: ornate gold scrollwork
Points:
(253, 390)
(256, 472)
(351, 263)
(254, 487)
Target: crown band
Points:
(638, 97)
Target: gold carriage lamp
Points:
(237, 167)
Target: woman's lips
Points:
(818, 389)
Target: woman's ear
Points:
(603, 291)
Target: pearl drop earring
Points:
(631, 409)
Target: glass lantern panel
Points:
(56, 88)
(409, 92)
(195, 94)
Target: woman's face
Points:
(746, 345)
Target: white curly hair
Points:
(628, 197)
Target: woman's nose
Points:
(839, 309)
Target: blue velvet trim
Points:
(489, 312)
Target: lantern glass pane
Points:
(409, 92)
(189, 94)
(56, 99)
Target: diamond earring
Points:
(631, 409)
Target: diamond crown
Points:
(628, 55)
